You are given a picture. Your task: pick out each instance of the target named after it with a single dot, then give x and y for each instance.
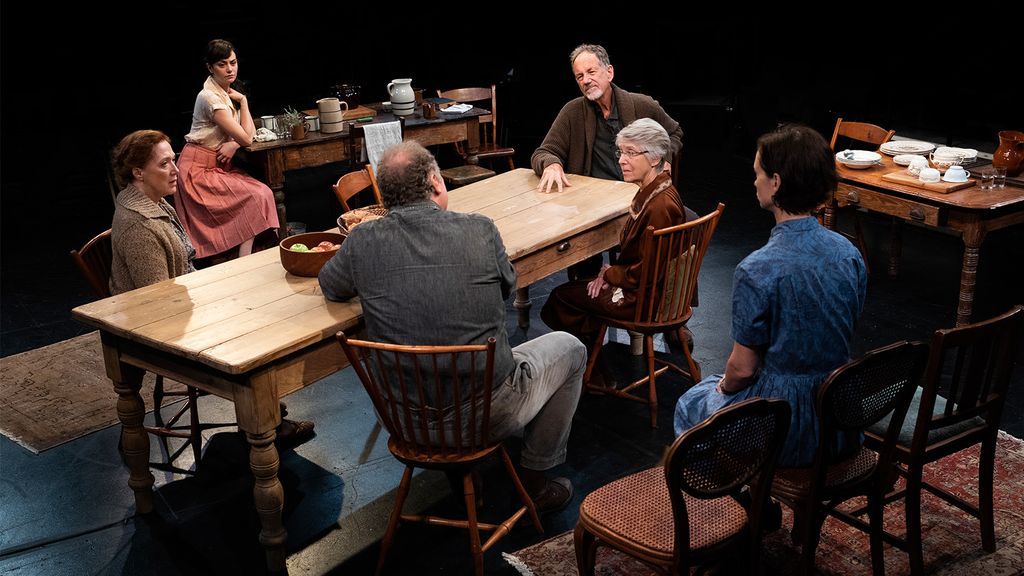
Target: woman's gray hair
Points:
(595, 49)
(648, 135)
(403, 174)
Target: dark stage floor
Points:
(69, 511)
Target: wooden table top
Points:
(245, 313)
(973, 198)
(235, 316)
(529, 220)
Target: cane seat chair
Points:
(876, 136)
(348, 185)
(93, 260)
(959, 404)
(687, 513)
(435, 403)
(670, 263)
(855, 396)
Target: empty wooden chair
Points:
(959, 404)
(489, 149)
(93, 260)
(855, 396)
(670, 263)
(435, 403)
(348, 185)
(687, 513)
(876, 136)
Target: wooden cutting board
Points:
(901, 177)
(357, 112)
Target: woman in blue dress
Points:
(795, 301)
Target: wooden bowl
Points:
(307, 264)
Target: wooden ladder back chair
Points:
(876, 136)
(348, 185)
(94, 260)
(435, 403)
(489, 148)
(960, 404)
(686, 513)
(854, 397)
(671, 260)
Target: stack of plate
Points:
(949, 152)
(858, 159)
(906, 159)
(894, 147)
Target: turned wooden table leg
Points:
(895, 247)
(973, 237)
(131, 410)
(522, 304)
(830, 215)
(269, 496)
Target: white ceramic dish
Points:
(906, 159)
(858, 159)
(893, 147)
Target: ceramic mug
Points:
(312, 123)
(929, 175)
(957, 173)
(916, 165)
(269, 122)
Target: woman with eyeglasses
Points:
(641, 148)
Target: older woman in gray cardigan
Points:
(149, 243)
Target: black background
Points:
(76, 79)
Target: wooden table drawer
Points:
(902, 208)
(565, 253)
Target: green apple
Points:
(299, 247)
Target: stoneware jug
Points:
(1010, 154)
(403, 100)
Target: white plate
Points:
(858, 157)
(905, 159)
(893, 147)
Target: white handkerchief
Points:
(458, 108)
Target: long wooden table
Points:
(970, 213)
(273, 158)
(247, 331)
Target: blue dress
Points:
(796, 299)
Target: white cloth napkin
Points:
(378, 138)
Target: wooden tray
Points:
(901, 177)
(357, 112)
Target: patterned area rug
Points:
(952, 539)
(54, 394)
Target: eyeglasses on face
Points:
(631, 153)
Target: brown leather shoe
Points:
(553, 496)
(291, 433)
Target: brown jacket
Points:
(570, 140)
(663, 208)
(147, 247)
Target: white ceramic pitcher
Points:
(403, 99)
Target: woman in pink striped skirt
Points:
(219, 205)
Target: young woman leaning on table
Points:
(221, 206)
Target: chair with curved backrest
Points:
(353, 183)
(876, 136)
(970, 365)
(687, 513)
(435, 403)
(93, 260)
(855, 396)
(489, 149)
(671, 259)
